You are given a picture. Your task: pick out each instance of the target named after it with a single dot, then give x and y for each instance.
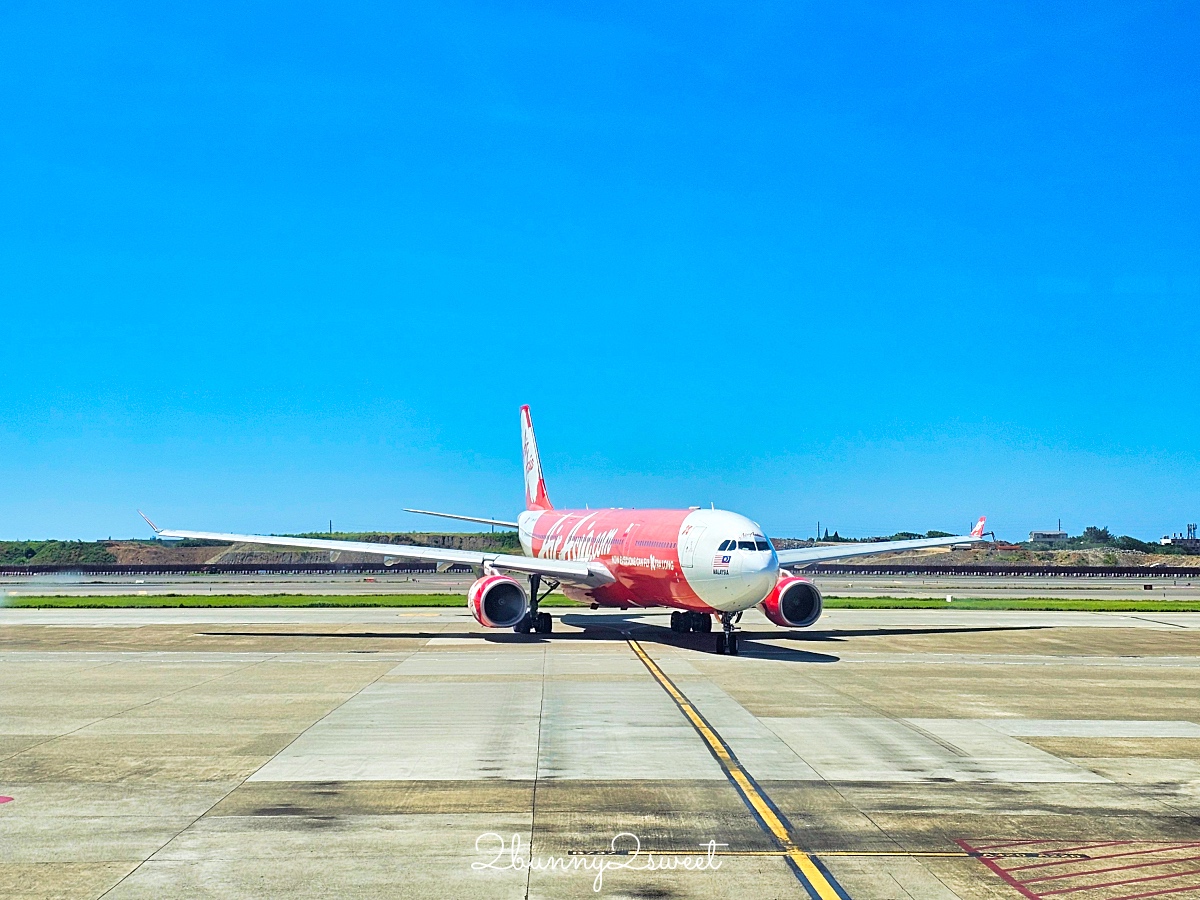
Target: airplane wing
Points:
(562, 570)
(808, 555)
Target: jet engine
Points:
(793, 603)
(497, 601)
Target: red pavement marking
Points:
(1090, 846)
(1096, 887)
(1004, 876)
(6, 799)
(1107, 855)
(1194, 887)
(1027, 889)
(1008, 844)
(1157, 862)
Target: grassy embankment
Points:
(200, 601)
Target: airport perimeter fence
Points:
(378, 568)
(1009, 571)
(429, 568)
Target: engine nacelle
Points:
(793, 603)
(497, 601)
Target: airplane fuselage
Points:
(697, 559)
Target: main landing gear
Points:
(683, 622)
(538, 622)
(727, 640)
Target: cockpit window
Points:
(759, 543)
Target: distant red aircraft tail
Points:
(535, 484)
(977, 531)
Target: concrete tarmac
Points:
(397, 752)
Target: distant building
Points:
(1047, 537)
(1190, 543)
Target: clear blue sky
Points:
(886, 267)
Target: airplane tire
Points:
(732, 641)
(721, 644)
(702, 623)
(545, 624)
(525, 625)
(676, 624)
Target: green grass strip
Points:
(266, 601)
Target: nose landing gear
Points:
(727, 640)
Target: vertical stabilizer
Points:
(535, 484)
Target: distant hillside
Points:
(54, 553)
(1011, 555)
(1094, 547)
(506, 541)
(184, 553)
(68, 553)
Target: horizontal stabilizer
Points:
(426, 512)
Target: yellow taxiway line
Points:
(816, 880)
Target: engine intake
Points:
(497, 601)
(794, 603)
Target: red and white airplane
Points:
(701, 562)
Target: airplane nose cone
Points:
(765, 562)
(759, 573)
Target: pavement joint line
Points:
(814, 877)
(57, 737)
(537, 766)
(52, 738)
(173, 837)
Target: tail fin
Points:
(977, 531)
(535, 484)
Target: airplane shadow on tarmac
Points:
(649, 632)
(624, 625)
(631, 626)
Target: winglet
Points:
(157, 530)
(977, 531)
